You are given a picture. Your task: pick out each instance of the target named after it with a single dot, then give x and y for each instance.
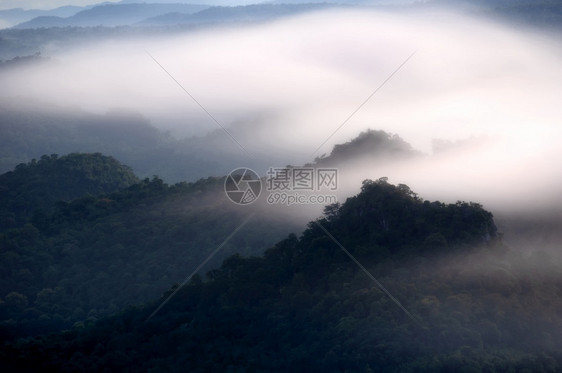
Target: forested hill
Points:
(457, 303)
(97, 254)
(37, 185)
(397, 221)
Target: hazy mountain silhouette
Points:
(168, 14)
(371, 145)
(237, 14)
(11, 17)
(129, 137)
(112, 15)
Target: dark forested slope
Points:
(37, 185)
(69, 259)
(457, 303)
(93, 256)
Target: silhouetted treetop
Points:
(369, 145)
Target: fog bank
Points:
(481, 99)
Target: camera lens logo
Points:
(242, 186)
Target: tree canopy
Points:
(305, 306)
(37, 185)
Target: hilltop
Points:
(37, 185)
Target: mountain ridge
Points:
(305, 306)
(112, 15)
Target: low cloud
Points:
(479, 98)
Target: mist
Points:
(460, 108)
(479, 98)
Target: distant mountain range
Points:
(547, 13)
(15, 16)
(111, 15)
(12, 17)
(135, 14)
(238, 14)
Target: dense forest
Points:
(35, 187)
(446, 296)
(82, 238)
